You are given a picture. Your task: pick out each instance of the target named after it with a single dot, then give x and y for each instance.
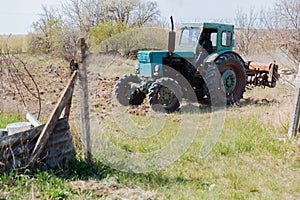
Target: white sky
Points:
(16, 16)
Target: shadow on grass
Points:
(207, 108)
(257, 101)
(96, 170)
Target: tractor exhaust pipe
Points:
(172, 38)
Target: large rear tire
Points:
(126, 93)
(226, 79)
(165, 94)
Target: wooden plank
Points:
(52, 120)
(68, 108)
(73, 67)
(18, 137)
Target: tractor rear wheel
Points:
(165, 94)
(226, 79)
(126, 93)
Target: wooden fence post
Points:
(295, 115)
(84, 99)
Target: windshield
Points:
(189, 37)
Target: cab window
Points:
(226, 38)
(189, 37)
(213, 38)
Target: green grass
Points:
(10, 118)
(248, 162)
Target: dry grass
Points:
(252, 159)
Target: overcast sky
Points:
(16, 16)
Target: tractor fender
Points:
(212, 57)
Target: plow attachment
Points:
(261, 74)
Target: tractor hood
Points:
(157, 56)
(151, 62)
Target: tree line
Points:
(126, 26)
(275, 27)
(58, 28)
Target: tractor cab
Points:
(213, 37)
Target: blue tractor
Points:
(203, 64)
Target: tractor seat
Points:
(207, 45)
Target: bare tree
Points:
(58, 28)
(122, 9)
(289, 12)
(283, 24)
(146, 12)
(49, 18)
(78, 13)
(246, 28)
(46, 29)
(67, 40)
(89, 13)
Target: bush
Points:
(135, 39)
(13, 43)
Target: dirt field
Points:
(20, 94)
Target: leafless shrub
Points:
(17, 82)
(246, 29)
(283, 25)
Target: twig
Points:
(17, 79)
(36, 87)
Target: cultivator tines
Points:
(262, 75)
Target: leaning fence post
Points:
(52, 120)
(294, 122)
(84, 99)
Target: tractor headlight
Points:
(137, 69)
(156, 68)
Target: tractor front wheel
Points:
(165, 94)
(126, 91)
